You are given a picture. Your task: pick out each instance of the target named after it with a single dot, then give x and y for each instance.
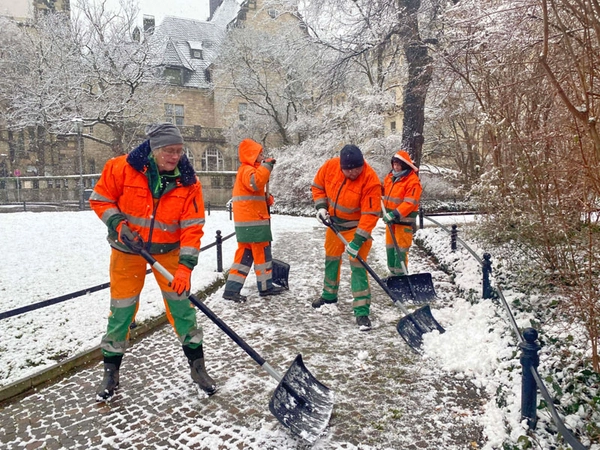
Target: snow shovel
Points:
(281, 270)
(413, 325)
(300, 402)
(417, 287)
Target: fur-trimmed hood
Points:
(138, 158)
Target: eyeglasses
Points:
(172, 151)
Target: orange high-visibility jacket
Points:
(351, 203)
(173, 220)
(250, 213)
(403, 194)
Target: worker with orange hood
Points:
(252, 224)
(401, 194)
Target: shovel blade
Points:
(281, 272)
(417, 288)
(400, 287)
(422, 284)
(302, 403)
(413, 326)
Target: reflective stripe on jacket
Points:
(250, 213)
(351, 203)
(403, 194)
(174, 220)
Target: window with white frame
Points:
(174, 114)
(212, 160)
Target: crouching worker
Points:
(154, 192)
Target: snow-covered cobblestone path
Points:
(386, 396)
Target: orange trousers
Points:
(127, 277)
(248, 253)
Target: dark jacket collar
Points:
(138, 159)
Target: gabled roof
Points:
(179, 37)
(174, 57)
(227, 13)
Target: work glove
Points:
(391, 216)
(323, 215)
(123, 231)
(182, 281)
(352, 249)
(270, 200)
(269, 162)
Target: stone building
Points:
(199, 105)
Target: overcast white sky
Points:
(191, 9)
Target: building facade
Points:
(199, 105)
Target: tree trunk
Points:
(419, 79)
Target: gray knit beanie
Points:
(163, 134)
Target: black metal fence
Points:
(18, 311)
(530, 379)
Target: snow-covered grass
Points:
(54, 253)
(495, 365)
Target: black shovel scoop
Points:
(417, 287)
(300, 402)
(412, 326)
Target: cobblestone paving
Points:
(386, 396)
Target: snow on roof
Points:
(181, 36)
(195, 45)
(226, 13)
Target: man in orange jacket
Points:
(252, 224)
(347, 192)
(401, 194)
(152, 192)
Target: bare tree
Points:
(377, 38)
(277, 75)
(56, 69)
(122, 88)
(537, 123)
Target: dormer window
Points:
(172, 75)
(195, 49)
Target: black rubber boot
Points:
(321, 301)
(110, 380)
(235, 297)
(363, 322)
(198, 370)
(275, 290)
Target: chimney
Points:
(149, 24)
(214, 5)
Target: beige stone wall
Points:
(17, 9)
(206, 114)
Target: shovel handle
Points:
(368, 269)
(212, 316)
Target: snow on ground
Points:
(54, 253)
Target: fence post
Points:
(219, 239)
(208, 207)
(421, 214)
(486, 268)
(230, 209)
(529, 359)
(453, 235)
